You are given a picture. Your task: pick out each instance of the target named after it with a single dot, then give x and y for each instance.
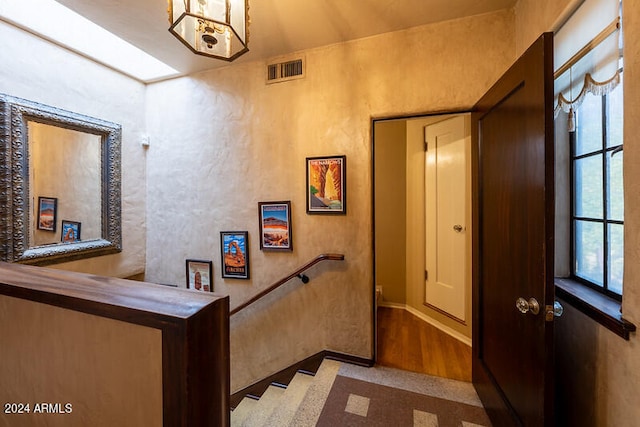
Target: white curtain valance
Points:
(589, 85)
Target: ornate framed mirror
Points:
(59, 174)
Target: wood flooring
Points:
(407, 342)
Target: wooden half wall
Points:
(88, 350)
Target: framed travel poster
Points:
(327, 185)
(200, 275)
(234, 248)
(70, 231)
(47, 212)
(275, 226)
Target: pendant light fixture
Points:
(215, 28)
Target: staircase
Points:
(297, 404)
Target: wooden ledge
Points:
(599, 307)
(103, 296)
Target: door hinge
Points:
(426, 146)
(426, 275)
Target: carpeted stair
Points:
(297, 404)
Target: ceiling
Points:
(277, 27)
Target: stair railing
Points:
(298, 273)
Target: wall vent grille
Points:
(284, 71)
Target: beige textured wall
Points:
(34, 69)
(613, 363)
(631, 302)
(536, 17)
(221, 141)
(390, 169)
(109, 372)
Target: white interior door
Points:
(446, 213)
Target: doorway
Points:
(415, 331)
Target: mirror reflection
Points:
(64, 165)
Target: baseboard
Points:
(348, 358)
(282, 378)
(444, 328)
(392, 305)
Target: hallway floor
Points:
(407, 342)
(341, 394)
(381, 396)
(421, 379)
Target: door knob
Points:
(530, 306)
(553, 311)
(457, 228)
(557, 309)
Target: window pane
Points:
(615, 196)
(589, 251)
(588, 187)
(616, 257)
(615, 116)
(589, 125)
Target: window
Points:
(589, 222)
(597, 214)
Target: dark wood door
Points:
(513, 229)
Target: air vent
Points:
(283, 71)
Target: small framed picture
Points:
(275, 226)
(234, 248)
(200, 275)
(327, 185)
(47, 213)
(70, 231)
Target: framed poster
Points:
(327, 185)
(234, 248)
(275, 226)
(47, 213)
(70, 231)
(200, 275)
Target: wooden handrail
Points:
(297, 273)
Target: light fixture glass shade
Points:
(215, 28)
